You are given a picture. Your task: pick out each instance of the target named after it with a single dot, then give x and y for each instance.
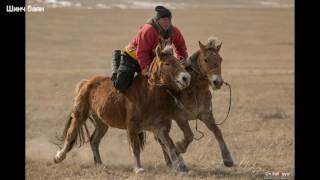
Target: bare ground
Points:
(65, 45)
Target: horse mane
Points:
(167, 50)
(212, 42)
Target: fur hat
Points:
(162, 12)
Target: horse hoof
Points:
(169, 164)
(138, 170)
(182, 168)
(228, 163)
(58, 158)
(100, 165)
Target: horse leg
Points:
(209, 121)
(187, 132)
(163, 135)
(100, 130)
(165, 154)
(135, 145)
(69, 140)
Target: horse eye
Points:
(167, 64)
(206, 60)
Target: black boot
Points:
(116, 57)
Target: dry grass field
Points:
(65, 45)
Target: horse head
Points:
(209, 62)
(167, 70)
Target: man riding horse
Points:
(139, 53)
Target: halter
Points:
(195, 67)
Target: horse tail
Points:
(81, 110)
(80, 137)
(142, 138)
(137, 142)
(80, 113)
(78, 86)
(60, 139)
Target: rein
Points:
(181, 106)
(220, 123)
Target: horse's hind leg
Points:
(135, 147)
(209, 121)
(69, 140)
(163, 135)
(100, 130)
(136, 142)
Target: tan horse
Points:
(146, 105)
(205, 69)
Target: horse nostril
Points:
(184, 79)
(216, 82)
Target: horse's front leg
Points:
(177, 161)
(209, 121)
(163, 147)
(183, 144)
(165, 154)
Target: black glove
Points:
(114, 76)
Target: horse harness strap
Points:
(178, 103)
(193, 66)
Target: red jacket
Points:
(148, 38)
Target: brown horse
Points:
(146, 105)
(205, 69)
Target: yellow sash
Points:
(131, 52)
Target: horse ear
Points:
(202, 47)
(219, 46)
(158, 52)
